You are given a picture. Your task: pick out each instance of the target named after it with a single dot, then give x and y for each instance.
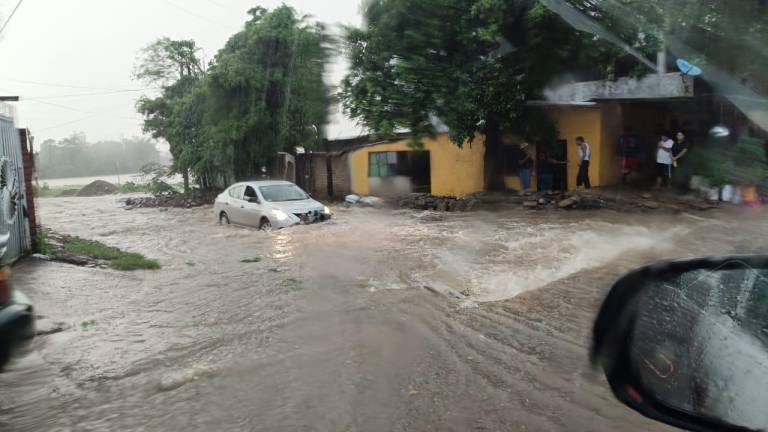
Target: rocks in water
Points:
(180, 200)
(431, 202)
(650, 205)
(97, 188)
(567, 203)
(590, 203)
(530, 203)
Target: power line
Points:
(49, 84)
(79, 110)
(59, 106)
(13, 12)
(66, 96)
(198, 16)
(214, 2)
(67, 123)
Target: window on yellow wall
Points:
(382, 164)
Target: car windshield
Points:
(278, 193)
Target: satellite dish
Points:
(687, 68)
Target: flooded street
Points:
(378, 320)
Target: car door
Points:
(236, 204)
(252, 209)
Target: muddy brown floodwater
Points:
(333, 330)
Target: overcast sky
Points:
(56, 53)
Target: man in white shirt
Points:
(664, 161)
(582, 178)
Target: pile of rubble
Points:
(180, 200)
(626, 202)
(437, 203)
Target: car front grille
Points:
(309, 217)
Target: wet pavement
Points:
(358, 324)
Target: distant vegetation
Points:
(74, 156)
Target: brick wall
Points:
(329, 178)
(319, 175)
(340, 178)
(28, 158)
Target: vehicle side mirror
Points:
(686, 342)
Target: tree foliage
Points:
(75, 157)
(263, 93)
(471, 63)
(266, 88)
(474, 63)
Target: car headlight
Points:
(326, 210)
(279, 215)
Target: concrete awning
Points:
(652, 86)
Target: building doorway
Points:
(557, 150)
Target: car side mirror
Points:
(252, 200)
(686, 342)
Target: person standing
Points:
(664, 161)
(545, 171)
(525, 166)
(629, 152)
(679, 150)
(582, 178)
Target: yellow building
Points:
(442, 168)
(600, 111)
(601, 126)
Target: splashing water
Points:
(519, 257)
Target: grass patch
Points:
(251, 260)
(134, 261)
(55, 191)
(118, 259)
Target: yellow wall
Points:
(454, 171)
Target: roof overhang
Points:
(652, 86)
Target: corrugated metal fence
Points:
(13, 224)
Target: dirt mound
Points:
(97, 188)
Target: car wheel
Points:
(223, 219)
(265, 224)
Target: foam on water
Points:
(519, 257)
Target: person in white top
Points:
(664, 161)
(582, 178)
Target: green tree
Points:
(266, 89)
(471, 63)
(175, 66)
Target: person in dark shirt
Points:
(525, 165)
(680, 149)
(630, 154)
(545, 171)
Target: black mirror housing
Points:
(669, 336)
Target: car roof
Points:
(257, 183)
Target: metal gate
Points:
(14, 231)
